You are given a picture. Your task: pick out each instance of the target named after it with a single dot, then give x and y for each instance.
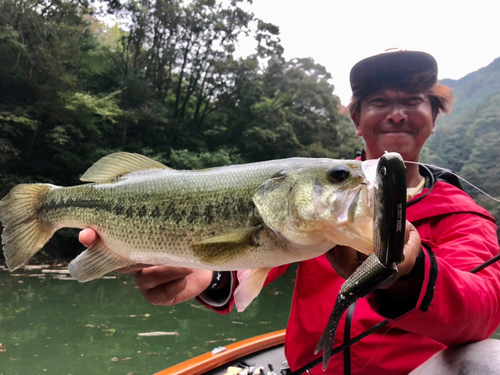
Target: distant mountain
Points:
(474, 98)
(475, 87)
(468, 140)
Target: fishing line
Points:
(369, 169)
(456, 175)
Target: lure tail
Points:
(325, 343)
(370, 275)
(24, 232)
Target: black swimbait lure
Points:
(389, 221)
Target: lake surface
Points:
(51, 324)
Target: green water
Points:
(50, 324)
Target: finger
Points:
(411, 250)
(344, 260)
(198, 281)
(134, 269)
(87, 236)
(151, 277)
(165, 294)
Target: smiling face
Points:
(395, 121)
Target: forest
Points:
(168, 82)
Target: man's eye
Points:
(414, 101)
(378, 102)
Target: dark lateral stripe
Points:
(229, 208)
(431, 286)
(102, 205)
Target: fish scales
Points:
(172, 210)
(253, 216)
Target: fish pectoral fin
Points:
(222, 248)
(250, 285)
(115, 165)
(95, 262)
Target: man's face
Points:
(395, 121)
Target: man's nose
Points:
(397, 114)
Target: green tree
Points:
(167, 85)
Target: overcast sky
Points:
(462, 36)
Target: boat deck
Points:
(256, 351)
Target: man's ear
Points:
(355, 119)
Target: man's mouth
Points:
(396, 132)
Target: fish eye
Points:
(339, 173)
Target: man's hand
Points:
(345, 260)
(161, 285)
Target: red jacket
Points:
(454, 306)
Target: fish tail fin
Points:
(24, 234)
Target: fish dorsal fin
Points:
(222, 248)
(118, 164)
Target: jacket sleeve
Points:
(454, 305)
(205, 299)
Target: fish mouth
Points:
(354, 224)
(351, 211)
(362, 199)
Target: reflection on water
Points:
(50, 324)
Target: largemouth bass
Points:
(253, 216)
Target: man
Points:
(435, 302)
